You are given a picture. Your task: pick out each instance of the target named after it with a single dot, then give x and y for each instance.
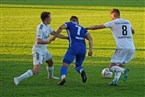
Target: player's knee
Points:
(121, 65)
(65, 64)
(111, 67)
(50, 63)
(36, 71)
(112, 64)
(76, 66)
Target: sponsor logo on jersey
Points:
(80, 38)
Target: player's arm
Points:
(133, 31)
(89, 38)
(39, 37)
(40, 41)
(95, 27)
(63, 26)
(59, 35)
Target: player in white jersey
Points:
(39, 50)
(122, 31)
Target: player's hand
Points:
(90, 53)
(51, 39)
(86, 28)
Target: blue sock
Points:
(63, 70)
(79, 68)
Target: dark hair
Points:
(74, 18)
(44, 15)
(116, 11)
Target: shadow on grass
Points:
(128, 3)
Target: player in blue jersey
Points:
(77, 48)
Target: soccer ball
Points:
(106, 73)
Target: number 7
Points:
(79, 29)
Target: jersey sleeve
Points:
(109, 24)
(67, 24)
(50, 29)
(39, 33)
(86, 32)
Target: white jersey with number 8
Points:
(122, 33)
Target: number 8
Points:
(124, 30)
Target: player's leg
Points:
(37, 60)
(117, 61)
(78, 65)
(49, 66)
(80, 70)
(116, 78)
(50, 69)
(63, 73)
(68, 59)
(116, 65)
(128, 58)
(27, 74)
(117, 70)
(124, 56)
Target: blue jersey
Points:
(76, 34)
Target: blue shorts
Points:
(78, 53)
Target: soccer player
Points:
(39, 50)
(77, 48)
(122, 31)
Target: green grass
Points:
(18, 23)
(128, 3)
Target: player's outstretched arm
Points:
(59, 35)
(89, 38)
(95, 27)
(62, 36)
(40, 41)
(63, 26)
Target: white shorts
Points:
(40, 56)
(122, 56)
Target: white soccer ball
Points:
(106, 73)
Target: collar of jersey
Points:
(43, 24)
(75, 23)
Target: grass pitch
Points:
(18, 23)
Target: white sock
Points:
(63, 76)
(117, 69)
(81, 70)
(25, 75)
(117, 75)
(50, 71)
